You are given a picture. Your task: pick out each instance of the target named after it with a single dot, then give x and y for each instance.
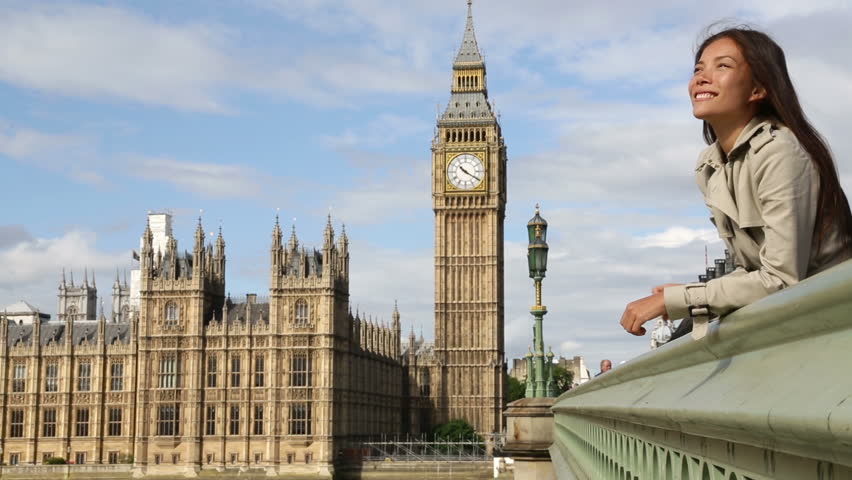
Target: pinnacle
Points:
(469, 51)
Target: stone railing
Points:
(766, 394)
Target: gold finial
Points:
(537, 208)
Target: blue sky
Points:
(112, 109)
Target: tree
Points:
(517, 389)
(562, 379)
(456, 430)
(55, 461)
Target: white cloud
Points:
(674, 237)
(95, 51)
(33, 266)
(206, 179)
(22, 143)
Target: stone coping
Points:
(773, 374)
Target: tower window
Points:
(172, 314)
(301, 312)
(210, 428)
(168, 420)
(235, 371)
(212, 372)
(116, 373)
(300, 419)
(16, 423)
(51, 378)
(234, 428)
(19, 381)
(168, 372)
(49, 422)
(259, 379)
(258, 420)
(114, 426)
(300, 370)
(84, 377)
(81, 427)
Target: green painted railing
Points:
(766, 394)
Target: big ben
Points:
(469, 200)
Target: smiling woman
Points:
(767, 177)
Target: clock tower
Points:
(469, 200)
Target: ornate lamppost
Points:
(539, 365)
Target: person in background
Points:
(606, 366)
(767, 177)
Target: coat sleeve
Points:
(787, 190)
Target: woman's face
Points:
(722, 88)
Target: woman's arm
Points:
(787, 190)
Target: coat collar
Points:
(717, 193)
(712, 155)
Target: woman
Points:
(767, 177)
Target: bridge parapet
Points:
(766, 394)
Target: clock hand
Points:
(469, 174)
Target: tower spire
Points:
(199, 236)
(469, 51)
(328, 234)
(294, 242)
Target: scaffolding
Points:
(422, 448)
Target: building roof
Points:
(469, 50)
(82, 331)
(468, 107)
(20, 307)
(259, 313)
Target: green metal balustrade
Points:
(767, 394)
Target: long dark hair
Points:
(769, 70)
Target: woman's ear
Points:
(757, 94)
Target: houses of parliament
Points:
(180, 378)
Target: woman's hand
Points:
(640, 311)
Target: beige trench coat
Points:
(763, 201)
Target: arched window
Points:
(301, 312)
(172, 314)
(125, 313)
(71, 312)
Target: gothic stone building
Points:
(196, 380)
(182, 378)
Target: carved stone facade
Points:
(194, 380)
(469, 200)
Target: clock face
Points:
(465, 171)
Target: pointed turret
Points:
(469, 50)
(86, 277)
(328, 234)
(220, 244)
(199, 236)
(94, 283)
(396, 340)
(62, 284)
(117, 283)
(276, 250)
(276, 234)
(294, 242)
(72, 277)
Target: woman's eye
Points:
(724, 65)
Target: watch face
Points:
(465, 171)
